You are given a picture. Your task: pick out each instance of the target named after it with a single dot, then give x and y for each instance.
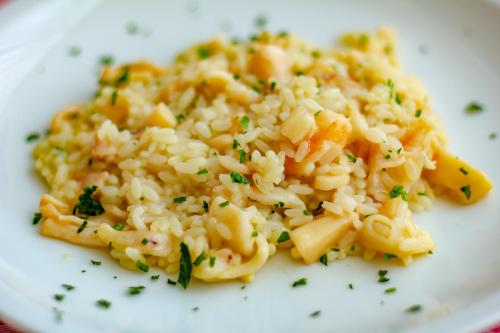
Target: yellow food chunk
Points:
(238, 222)
(161, 117)
(299, 125)
(465, 183)
(268, 61)
(314, 239)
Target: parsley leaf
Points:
(398, 190)
(315, 314)
(299, 282)
(224, 204)
(102, 303)
(87, 205)
(32, 137)
(390, 290)
(199, 259)
(389, 256)
(36, 218)
(244, 122)
(473, 107)
(284, 236)
(95, 262)
(462, 170)
(205, 206)
(82, 226)
(142, 266)
(324, 259)
(68, 287)
(238, 178)
(466, 191)
(202, 172)
(180, 199)
(59, 297)
(185, 266)
(118, 227)
(203, 52)
(135, 290)
(243, 155)
(414, 308)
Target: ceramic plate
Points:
(453, 46)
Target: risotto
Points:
(210, 165)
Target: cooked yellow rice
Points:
(334, 148)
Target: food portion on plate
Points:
(210, 165)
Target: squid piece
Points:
(157, 244)
(312, 240)
(67, 230)
(403, 239)
(161, 117)
(238, 221)
(224, 271)
(465, 183)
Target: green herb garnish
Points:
(211, 261)
(315, 314)
(414, 308)
(32, 136)
(272, 86)
(238, 178)
(171, 282)
(243, 155)
(224, 204)
(36, 218)
(95, 262)
(324, 259)
(202, 171)
(132, 28)
(473, 107)
(284, 236)
(106, 60)
(299, 282)
(144, 241)
(390, 290)
(244, 122)
(205, 206)
(142, 266)
(185, 266)
(180, 118)
(462, 170)
(155, 277)
(135, 290)
(199, 259)
(389, 256)
(82, 226)
(68, 287)
(118, 226)
(59, 297)
(87, 205)
(102, 303)
(180, 199)
(203, 52)
(466, 191)
(235, 143)
(74, 51)
(280, 204)
(418, 113)
(350, 286)
(398, 190)
(260, 21)
(351, 158)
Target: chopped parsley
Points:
(352, 158)
(280, 204)
(418, 113)
(316, 54)
(353, 248)
(123, 78)
(239, 178)
(324, 259)
(414, 308)
(389, 256)
(211, 262)
(466, 191)
(171, 282)
(315, 314)
(272, 86)
(398, 190)
(142, 266)
(350, 286)
(32, 136)
(199, 259)
(59, 297)
(317, 113)
(462, 170)
(256, 89)
(224, 204)
(36, 218)
(390, 290)
(473, 107)
(254, 233)
(205, 206)
(68, 287)
(74, 51)
(132, 28)
(87, 205)
(185, 266)
(106, 60)
(260, 21)
(299, 282)
(82, 226)
(397, 99)
(235, 143)
(203, 52)
(305, 212)
(114, 96)
(180, 118)
(180, 199)
(118, 226)
(492, 136)
(155, 277)
(202, 172)
(243, 287)
(318, 210)
(244, 122)
(135, 290)
(382, 278)
(58, 313)
(95, 262)
(144, 241)
(335, 249)
(102, 303)
(284, 236)
(196, 308)
(283, 34)
(243, 155)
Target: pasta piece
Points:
(225, 271)
(290, 199)
(465, 183)
(314, 239)
(238, 222)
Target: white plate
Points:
(458, 286)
